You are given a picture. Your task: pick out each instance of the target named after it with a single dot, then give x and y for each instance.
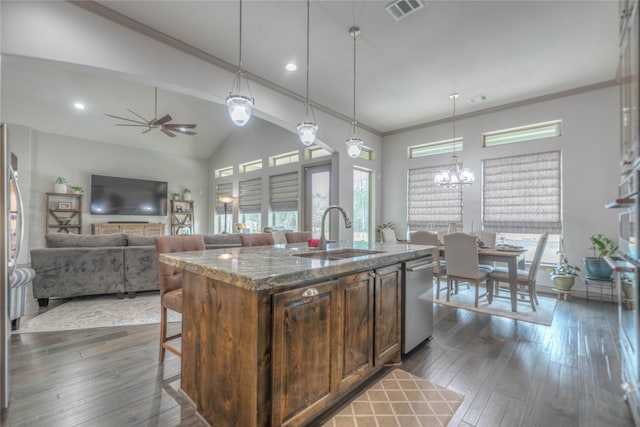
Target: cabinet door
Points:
(137, 229)
(388, 297)
(304, 340)
(355, 329)
(106, 228)
(154, 230)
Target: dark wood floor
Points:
(511, 373)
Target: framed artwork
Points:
(178, 208)
(64, 205)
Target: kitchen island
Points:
(273, 335)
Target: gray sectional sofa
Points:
(77, 265)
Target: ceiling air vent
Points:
(402, 8)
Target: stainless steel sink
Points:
(337, 254)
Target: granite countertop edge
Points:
(268, 267)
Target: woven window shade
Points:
(250, 196)
(283, 192)
(522, 194)
(431, 206)
(224, 189)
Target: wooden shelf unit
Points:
(182, 217)
(64, 220)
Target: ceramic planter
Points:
(186, 195)
(597, 268)
(627, 290)
(59, 188)
(563, 283)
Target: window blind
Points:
(522, 194)
(224, 189)
(431, 206)
(283, 192)
(250, 196)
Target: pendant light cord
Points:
(354, 32)
(454, 96)
(240, 50)
(308, 13)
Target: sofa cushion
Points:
(63, 240)
(135, 240)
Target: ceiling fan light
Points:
(354, 146)
(307, 131)
(240, 108)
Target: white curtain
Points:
(429, 205)
(283, 192)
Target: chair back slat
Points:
(537, 257)
(461, 254)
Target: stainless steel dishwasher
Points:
(417, 304)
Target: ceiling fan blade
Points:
(168, 133)
(128, 120)
(186, 132)
(186, 126)
(142, 125)
(162, 120)
(138, 115)
(148, 130)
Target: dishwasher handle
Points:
(420, 267)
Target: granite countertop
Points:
(267, 267)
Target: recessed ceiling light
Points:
(291, 66)
(478, 98)
(78, 105)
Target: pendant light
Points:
(454, 176)
(307, 128)
(354, 143)
(240, 106)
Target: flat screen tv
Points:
(112, 195)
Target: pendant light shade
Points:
(307, 128)
(454, 176)
(354, 142)
(240, 106)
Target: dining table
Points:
(508, 255)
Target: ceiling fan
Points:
(156, 123)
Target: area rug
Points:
(502, 306)
(98, 312)
(399, 399)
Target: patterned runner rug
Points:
(97, 312)
(399, 399)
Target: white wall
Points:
(76, 160)
(590, 162)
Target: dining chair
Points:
(431, 239)
(461, 253)
(297, 236)
(388, 235)
(171, 284)
(257, 239)
(487, 237)
(525, 278)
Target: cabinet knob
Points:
(372, 275)
(311, 292)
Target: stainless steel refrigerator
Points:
(4, 270)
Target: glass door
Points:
(317, 196)
(361, 205)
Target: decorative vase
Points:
(563, 283)
(627, 290)
(597, 268)
(186, 195)
(59, 188)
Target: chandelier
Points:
(454, 176)
(354, 143)
(307, 128)
(240, 106)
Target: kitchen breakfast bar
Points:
(274, 335)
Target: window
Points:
(361, 205)
(315, 152)
(222, 172)
(254, 165)
(433, 148)
(250, 204)
(283, 200)
(521, 199)
(430, 206)
(224, 189)
(523, 133)
(284, 159)
(366, 153)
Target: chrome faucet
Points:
(347, 223)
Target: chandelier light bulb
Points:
(307, 131)
(240, 108)
(354, 146)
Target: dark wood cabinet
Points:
(355, 329)
(387, 326)
(304, 342)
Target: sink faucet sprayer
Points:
(347, 224)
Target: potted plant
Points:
(60, 186)
(175, 196)
(596, 267)
(77, 189)
(379, 229)
(563, 274)
(627, 286)
(187, 194)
